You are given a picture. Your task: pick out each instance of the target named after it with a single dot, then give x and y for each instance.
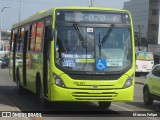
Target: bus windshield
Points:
(114, 54)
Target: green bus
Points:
(75, 54)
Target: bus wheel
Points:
(147, 96)
(104, 105)
(39, 93)
(19, 87)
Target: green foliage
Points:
(6, 35)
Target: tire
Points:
(104, 105)
(147, 96)
(20, 89)
(39, 92)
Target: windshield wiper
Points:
(107, 34)
(83, 41)
(101, 42)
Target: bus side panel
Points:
(35, 56)
(34, 66)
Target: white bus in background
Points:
(144, 62)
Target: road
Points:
(11, 101)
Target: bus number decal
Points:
(89, 30)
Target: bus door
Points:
(13, 58)
(46, 55)
(25, 60)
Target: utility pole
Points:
(20, 10)
(139, 37)
(0, 23)
(92, 3)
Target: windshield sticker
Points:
(101, 64)
(85, 60)
(68, 62)
(90, 30)
(77, 55)
(114, 62)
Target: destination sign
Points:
(92, 16)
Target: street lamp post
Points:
(92, 3)
(20, 2)
(1, 24)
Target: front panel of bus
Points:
(93, 56)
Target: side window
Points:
(20, 39)
(33, 37)
(156, 71)
(36, 38)
(39, 36)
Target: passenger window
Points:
(39, 37)
(36, 39)
(33, 37)
(20, 39)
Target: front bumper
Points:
(64, 94)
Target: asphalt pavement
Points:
(6, 105)
(140, 81)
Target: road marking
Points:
(122, 107)
(37, 118)
(132, 111)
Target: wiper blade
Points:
(83, 41)
(101, 42)
(106, 35)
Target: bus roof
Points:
(90, 8)
(44, 13)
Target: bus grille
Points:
(103, 96)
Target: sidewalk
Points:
(6, 108)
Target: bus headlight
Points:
(58, 81)
(128, 82)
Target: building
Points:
(146, 19)
(5, 42)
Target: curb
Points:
(141, 83)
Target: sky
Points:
(11, 15)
